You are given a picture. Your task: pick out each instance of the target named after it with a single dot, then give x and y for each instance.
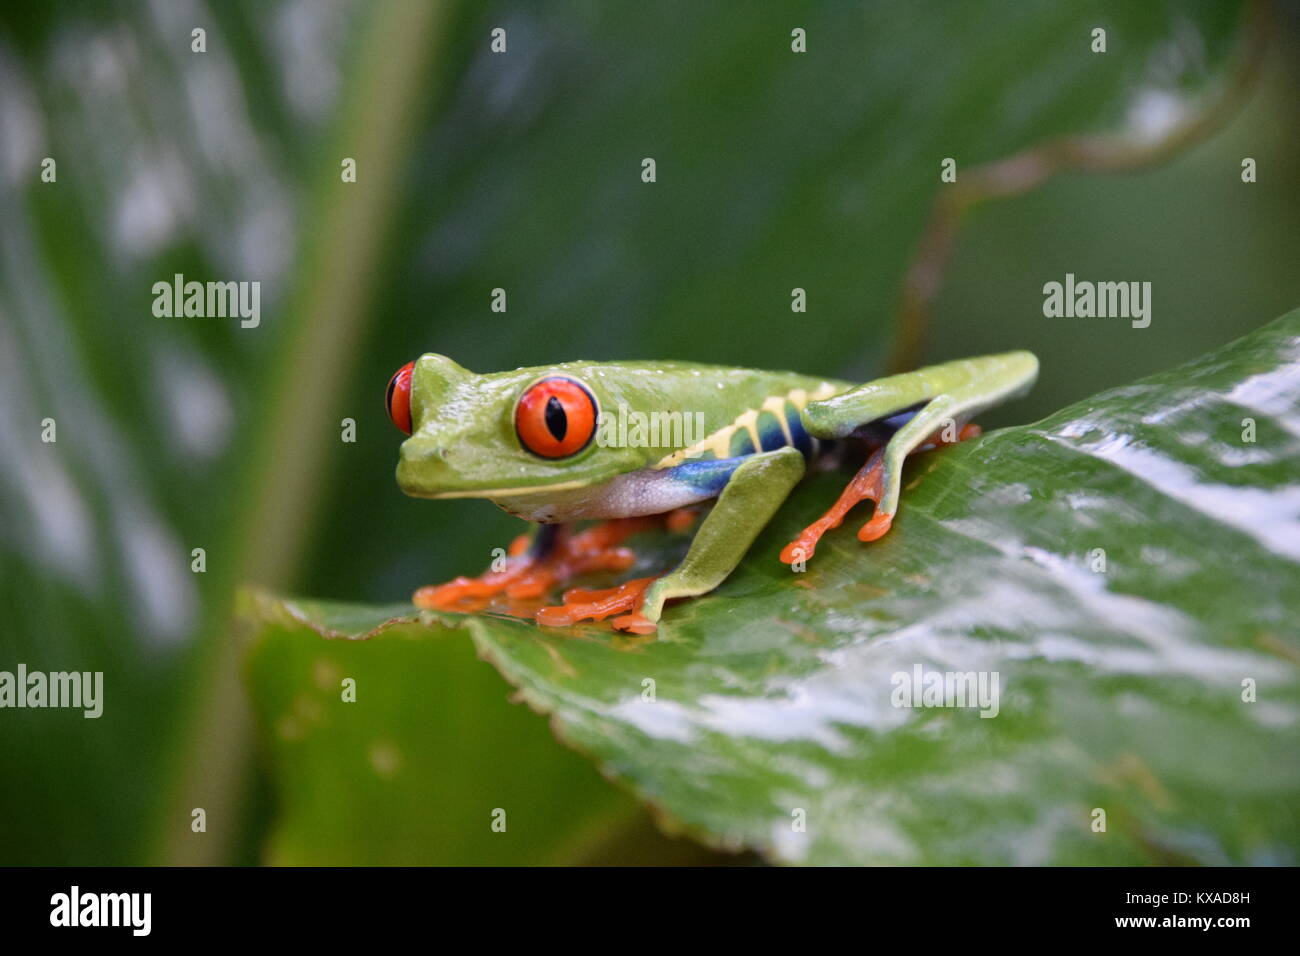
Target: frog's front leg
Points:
(751, 496)
(948, 394)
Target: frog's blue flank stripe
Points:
(708, 476)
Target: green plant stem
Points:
(347, 224)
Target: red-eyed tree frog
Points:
(551, 445)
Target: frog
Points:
(716, 446)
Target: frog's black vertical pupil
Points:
(557, 422)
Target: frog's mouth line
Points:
(510, 492)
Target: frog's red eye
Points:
(398, 399)
(556, 417)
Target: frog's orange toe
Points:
(876, 528)
(804, 546)
(634, 623)
(462, 593)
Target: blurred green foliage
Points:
(518, 171)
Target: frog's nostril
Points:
(417, 450)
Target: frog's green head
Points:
(500, 435)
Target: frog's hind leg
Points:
(555, 555)
(944, 396)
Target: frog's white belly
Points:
(645, 492)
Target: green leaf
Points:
(1120, 690)
(404, 750)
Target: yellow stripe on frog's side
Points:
(718, 444)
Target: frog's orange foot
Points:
(867, 484)
(582, 605)
(528, 577)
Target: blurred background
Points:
(518, 170)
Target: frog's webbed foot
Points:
(581, 605)
(556, 556)
(867, 485)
